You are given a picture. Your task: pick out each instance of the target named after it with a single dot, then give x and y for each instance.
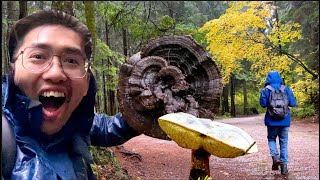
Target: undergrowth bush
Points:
(223, 116)
(106, 164)
(253, 99)
(303, 112)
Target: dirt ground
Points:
(161, 159)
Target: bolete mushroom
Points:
(205, 137)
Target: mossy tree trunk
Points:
(89, 8)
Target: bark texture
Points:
(169, 74)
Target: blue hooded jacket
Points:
(66, 155)
(274, 80)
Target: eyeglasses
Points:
(38, 60)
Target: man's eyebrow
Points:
(40, 45)
(72, 50)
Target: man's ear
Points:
(11, 69)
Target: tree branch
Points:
(292, 57)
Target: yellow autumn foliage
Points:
(303, 88)
(238, 36)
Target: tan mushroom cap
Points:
(219, 139)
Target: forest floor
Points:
(147, 158)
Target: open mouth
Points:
(52, 101)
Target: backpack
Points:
(278, 103)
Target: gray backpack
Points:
(278, 103)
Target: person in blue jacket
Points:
(275, 127)
(48, 98)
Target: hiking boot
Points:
(275, 162)
(284, 169)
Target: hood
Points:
(274, 79)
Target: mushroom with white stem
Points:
(205, 137)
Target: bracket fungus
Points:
(205, 137)
(169, 74)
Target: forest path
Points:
(161, 159)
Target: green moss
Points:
(106, 164)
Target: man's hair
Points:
(47, 17)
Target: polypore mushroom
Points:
(205, 137)
(169, 74)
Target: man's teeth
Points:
(52, 93)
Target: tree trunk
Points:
(109, 94)
(69, 7)
(125, 45)
(180, 10)
(245, 98)
(108, 91)
(107, 33)
(105, 91)
(41, 5)
(277, 25)
(4, 49)
(232, 94)
(23, 9)
(89, 8)
(225, 99)
(65, 6)
(57, 5)
(112, 109)
(90, 14)
(104, 87)
(98, 99)
(12, 16)
(171, 8)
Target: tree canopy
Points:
(242, 34)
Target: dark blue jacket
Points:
(275, 81)
(66, 155)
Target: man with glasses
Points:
(48, 98)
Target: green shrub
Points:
(303, 112)
(106, 164)
(223, 116)
(253, 99)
